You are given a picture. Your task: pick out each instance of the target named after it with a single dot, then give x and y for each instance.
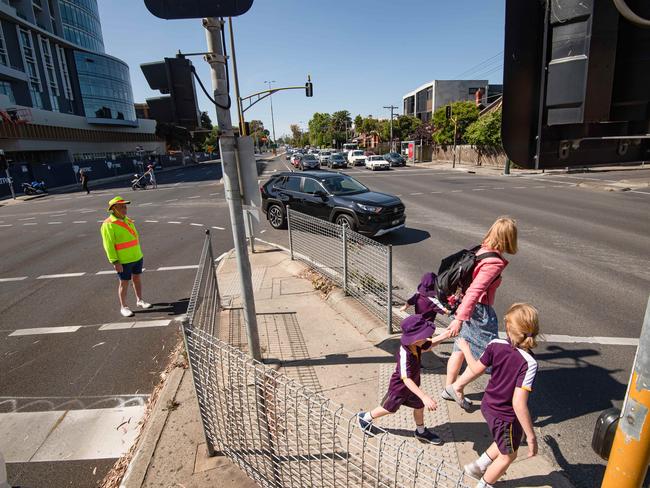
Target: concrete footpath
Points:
(331, 345)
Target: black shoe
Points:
(429, 436)
(365, 426)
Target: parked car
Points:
(377, 162)
(332, 196)
(308, 161)
(337, 160)
(295, 159)
(356, 157)
(395, 159)
(324, 157)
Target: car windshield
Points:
(376, 158)
(357, 153)
(343, 185)
(337, 157)
(395, 155)
(309, 157)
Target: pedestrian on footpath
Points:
(505, 402)
(84, 180)
(404, 387)
(122, 245)
(152, 177)
(425, 300)
(475, 320)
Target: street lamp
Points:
(272, 118)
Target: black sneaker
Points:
(365, 426)
(428, 436)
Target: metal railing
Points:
(282, 434)
(362, 267)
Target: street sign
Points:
(197, 9)
(576, 77)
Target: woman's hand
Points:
(454, 327)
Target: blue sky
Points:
(361, 54)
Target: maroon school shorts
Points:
(392, 401)
(507, 435)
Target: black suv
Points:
(331, 196)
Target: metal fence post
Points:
(389, 292)
(290, 235)
(345, 260)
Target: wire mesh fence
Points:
(356, 263)
(282, 434)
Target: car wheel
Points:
(275, 214)
(344, 220)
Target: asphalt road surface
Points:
(583, 260)
(68, 358)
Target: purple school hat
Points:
(415, 328)
(428, 286)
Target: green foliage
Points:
(486, 131)
(211, 140)
(320, 131)
(206, 122)
(405, 126)
(465, 113)
(358, 120)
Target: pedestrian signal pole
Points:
(630, 454)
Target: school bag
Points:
(456, 272)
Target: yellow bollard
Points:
(630, 454)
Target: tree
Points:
(369, 124)
(463, 112)
(206, 122)
(358, 120)
(296, 134)
(212, 140)
(405, 126)
(320, 133)
(486, 131)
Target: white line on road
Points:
(498, 188)
(213, 194)
(456, 191)
(566, 339)
(6, 225)
(174, 222)
(198, 225)
(80, 222)
(45, 330)
(436, 192)
(135, 324)
(519, 187)
(62, 275)
(478, 189)
(416, 193)
(145, 204)
(539, 186)
(18, 278)
(30, 223)
(55, 223)
(195, 196)
(151, 221)
(173, 268)
(218, 228)
(87, 211)
(28, 218)
(172, 200)
(108, 271)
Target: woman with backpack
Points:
(475, 320)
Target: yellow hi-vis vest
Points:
(121, 240)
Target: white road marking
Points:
(539, 186)
(145, 204)
(106, 272)
(213, 194)
(18, 278)
(436, 192)
(72, 435)
(198, 225)
(30, 223)
(478, 189)
(173, 268)
(62, 275)
(196, 196)
(262, 231)
(498, 188)
(218, 228)
(45, 330)
(6, 225)
(172, 200)
(174, 222)
(221, 256)
(28, 218)
(88, 211)
(566, 339)
(519, 187)
(456, 191)
(100, 221)
(80, 222)
(416, 193)
(136, 325)
(151, 221)
(55, 223)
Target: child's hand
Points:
(532, 446)
(429, 402)
(404, 307)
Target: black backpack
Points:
(456, 271)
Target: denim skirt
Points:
(480, 329)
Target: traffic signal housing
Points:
(197, 9)
(173, 77)
(448, 112)
(576, 77)
(309, 88)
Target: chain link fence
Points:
(281, 433)
(362, 267)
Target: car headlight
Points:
(369, 208)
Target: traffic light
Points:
(173, 77)
(576, 77)
(309, 87)
(448, 112)
(196, 9)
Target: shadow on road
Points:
(171, 308)
(404, 236)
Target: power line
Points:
(480, 66)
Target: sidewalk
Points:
(325, 350)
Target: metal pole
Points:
(389, 292)
(227, 145)
(272, 118)
(542, 85)
(249, 219)
(453, 165)
(240, 112)
(506, 169)
(290, 233)
(11, 186)
(630, 454)
(345, 260)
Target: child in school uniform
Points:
(425, 299)
(505, 402)
(404, 387)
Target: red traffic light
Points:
(197, 9)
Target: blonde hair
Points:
(502, 236)
(522, 325)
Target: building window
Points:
(5, 89)
(65, 74)
(50, 75)
(4, 57)
(29, 59)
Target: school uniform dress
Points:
(480, 322)
(408, 365)
(511, 368)
(425, 306)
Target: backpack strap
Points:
(486, 255)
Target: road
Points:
(583, 260)
(66, 358)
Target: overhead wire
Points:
(482, 65)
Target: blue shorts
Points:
(130, 269)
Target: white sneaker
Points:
(126, 312)
(473, 470)
(143, 304)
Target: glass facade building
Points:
(80, 19)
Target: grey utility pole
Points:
(271, 100)
(232, 189)
(392, 108)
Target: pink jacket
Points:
(484, 285)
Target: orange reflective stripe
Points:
(124, 226)
(126, 245)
